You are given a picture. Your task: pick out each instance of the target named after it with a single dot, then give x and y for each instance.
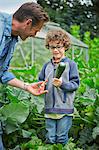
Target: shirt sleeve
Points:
(7, 76)
(4, 76)
(41, 76)
(1, 30)
(73, 83)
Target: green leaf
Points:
(86, 101)
(12, 97)
(39, 102)
(11, 125)
(17, 111)
(95, 132)
(26, 134)
(89, 82)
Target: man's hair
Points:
(96, 6)
(58, 35)
(32, 11)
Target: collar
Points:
(8, 25)
(61, 60)
(65, 59)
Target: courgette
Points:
(60, 69)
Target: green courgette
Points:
(60, 69)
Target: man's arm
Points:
(17, 83)
(35, 88)
(1, 32)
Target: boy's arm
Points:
(73, 83)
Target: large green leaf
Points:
(39, 102)
(11, 125)
(95, 132)
(17, 111)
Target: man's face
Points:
(29, 31)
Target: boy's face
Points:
(57, 49)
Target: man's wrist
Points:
(26, 86)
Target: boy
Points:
(61, 92)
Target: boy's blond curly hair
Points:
(58, 35)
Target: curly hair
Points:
(59, 35)
(32, 11)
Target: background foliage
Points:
(70, 12)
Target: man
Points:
(25, 22)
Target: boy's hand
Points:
(42, 86)
(57, 82)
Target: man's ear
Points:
(29, 22)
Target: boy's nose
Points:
(55, 49)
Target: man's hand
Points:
(57, 82)
(37, 88)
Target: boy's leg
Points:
(51, 131)
(63, 126)
(1, 143)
